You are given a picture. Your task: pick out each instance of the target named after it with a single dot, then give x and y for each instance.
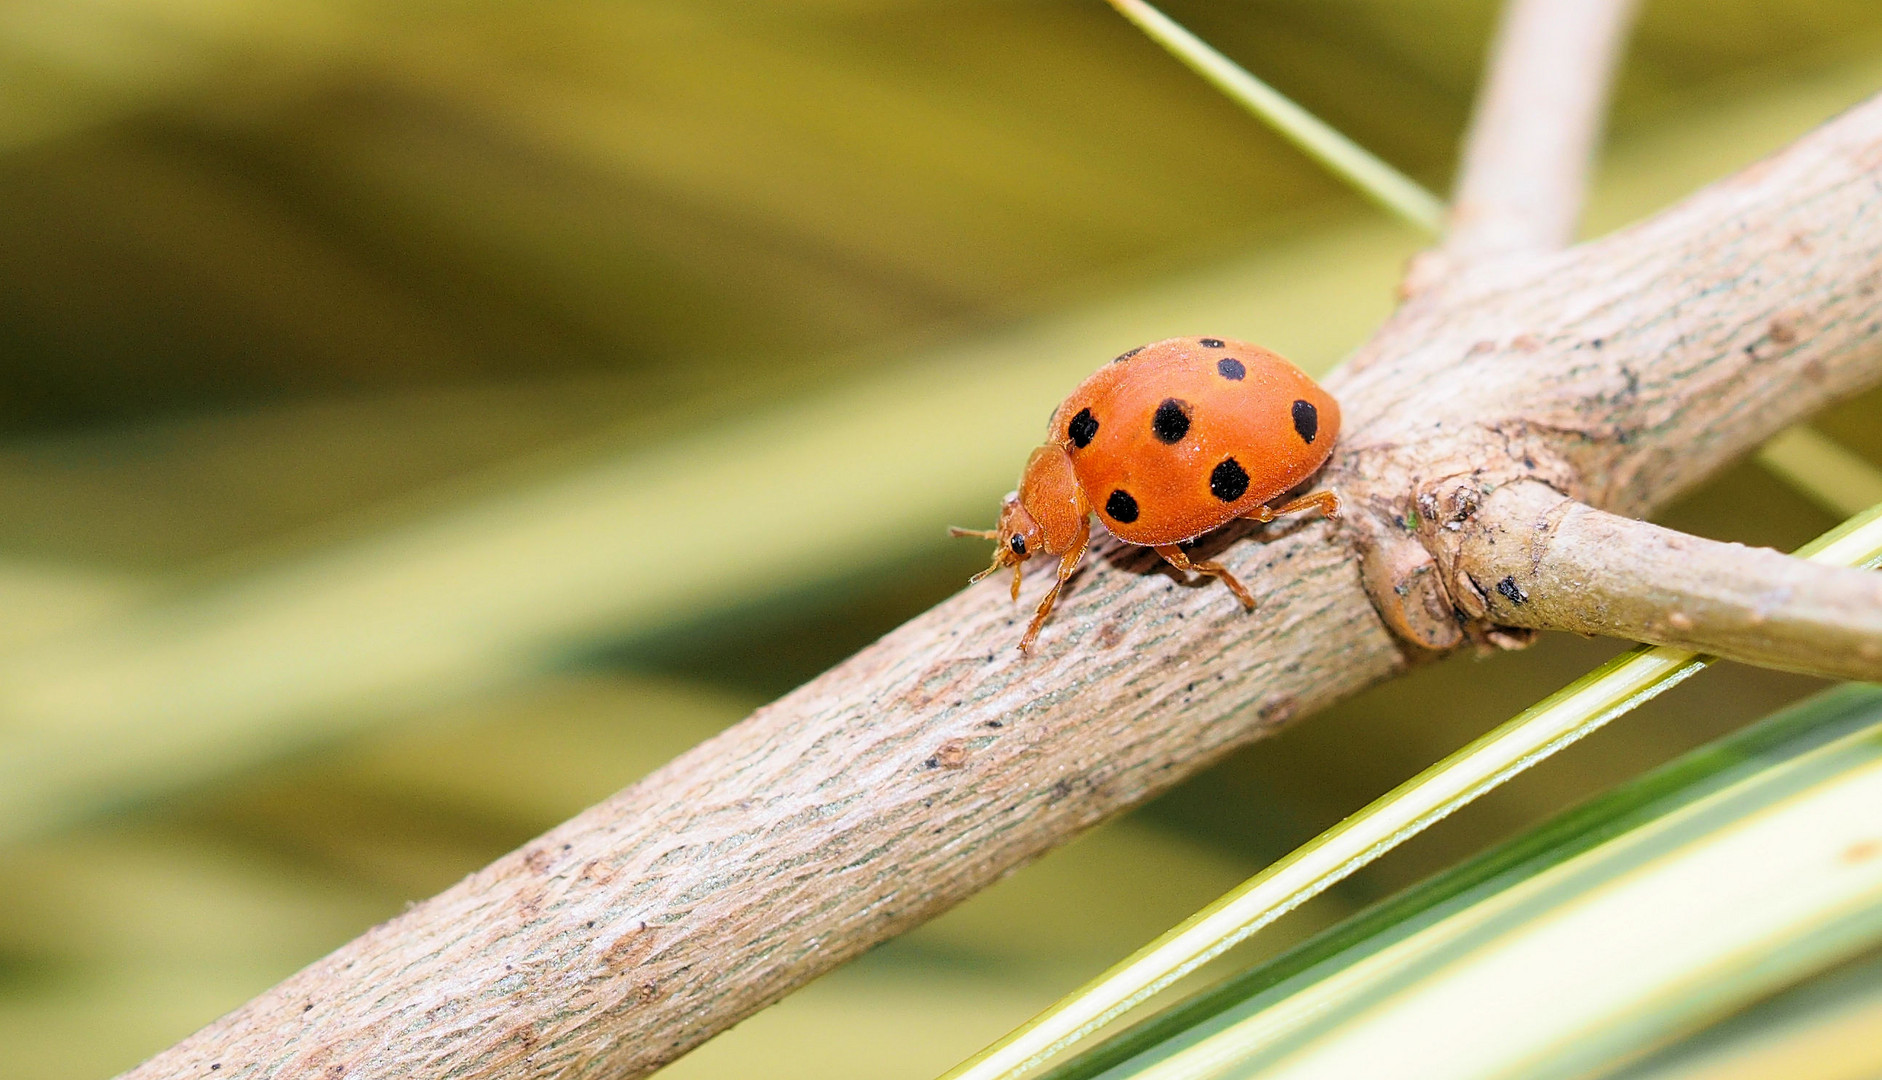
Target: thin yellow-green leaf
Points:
(1347, 159)
(1663, 925)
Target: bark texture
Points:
(1620, 372)
(935, 761)
(1533, 557)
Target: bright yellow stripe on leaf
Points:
(1747, 906)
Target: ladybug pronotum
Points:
(1165, 443)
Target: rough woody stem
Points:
(939, 759)
(1714, 327)
(1537, 120)
(1534, 557)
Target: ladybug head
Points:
(1046, 516)
(1016, 538)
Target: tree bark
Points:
(1620, 373)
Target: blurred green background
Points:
(420, 420)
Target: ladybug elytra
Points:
(1166, 443)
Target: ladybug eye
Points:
(1018, 544)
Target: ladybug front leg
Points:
(1067, 563)
(1324, 501)
(1176, 557)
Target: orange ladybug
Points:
(1167, 442)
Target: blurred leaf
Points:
(1832, 476)
(1697, 889)
(1320, 976)
(1823, 1029)
(121, 938)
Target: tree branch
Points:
(1722, 321)
(939, 759)
(1533, 557)
(1538, 118)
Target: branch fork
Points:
(1433, 566)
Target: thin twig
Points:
(1538, 117)
(1530, 556)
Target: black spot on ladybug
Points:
(1170, 422)
(1306, 420)
(1082, 429)
(1121, 508)
(1230, 368)
(1229, 481)
(1018, 544)
(1210, 342)
(1123, 356)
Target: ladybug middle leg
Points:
(1176, 557)
(1326, 502)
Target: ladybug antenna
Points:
(998, 562)
(1002, 556)
(999, 553)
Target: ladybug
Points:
(1167, 442)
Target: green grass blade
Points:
(1825, 718)
(1538, 732)
(1385, 185)
(1712, 903)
